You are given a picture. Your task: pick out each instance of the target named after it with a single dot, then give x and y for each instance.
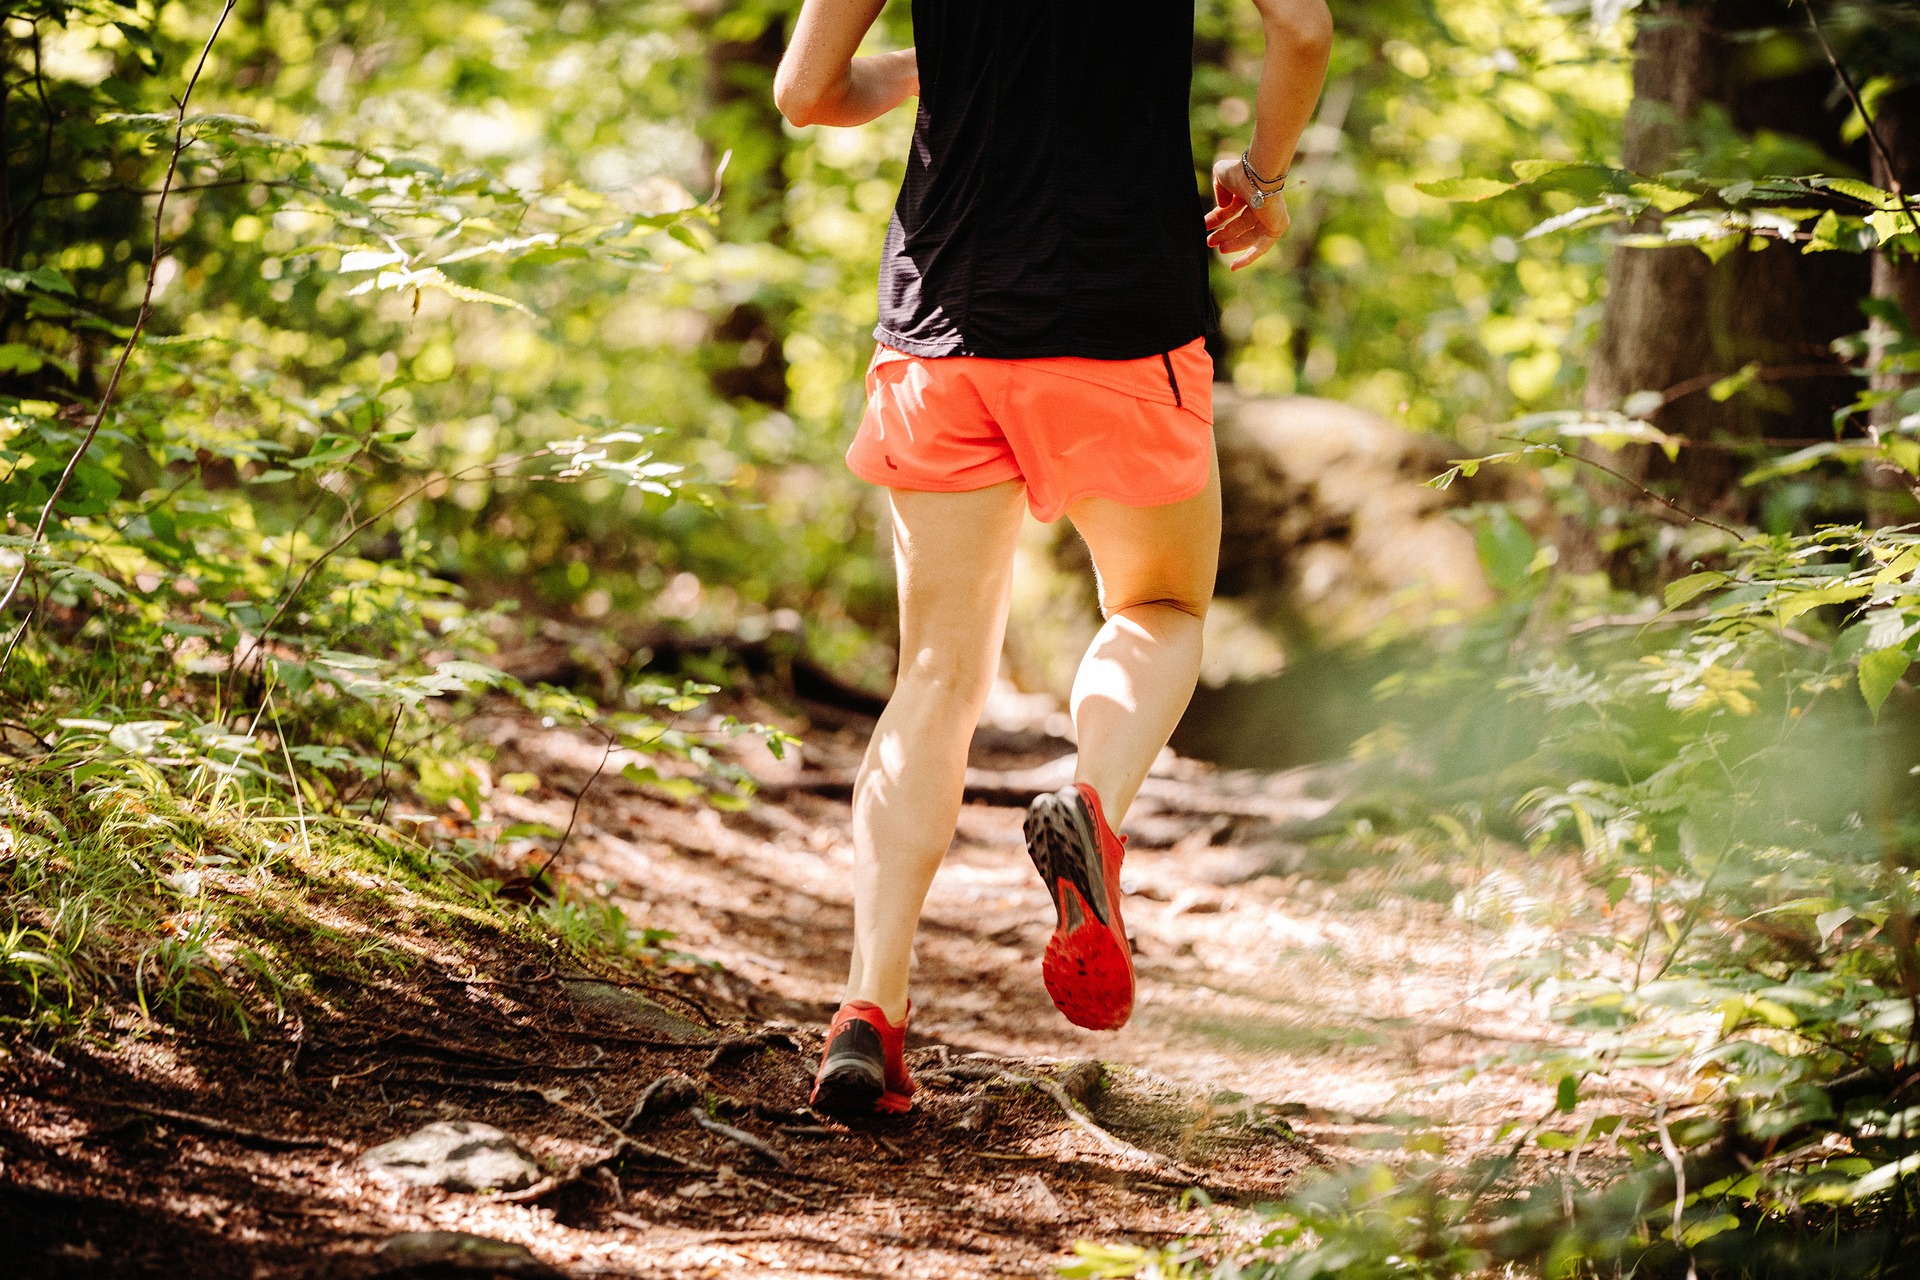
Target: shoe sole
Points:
(1086, 968)
(848, 1090)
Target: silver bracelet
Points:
(1262, 189)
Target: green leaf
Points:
(1693, 585)
(1826, 234)
(1883, 1178)
(1506, 550)
(1463, 188)
(1662, 197)
(1583, 181)
(1889, 223)
(1699, 1233)
(1567, 1095)
(1790, 605)
(139, 737)
(323, 456)
(1577, 219)
(1734, 383)
(44, 278)
(17, 357)
(1534, 170)
(1879, 672)
(1827, 921)
(1800, 460)
(1865, 193)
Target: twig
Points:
(1771, 373)
(1672, 1153)
(286, 603)
(384, 795)
(123, 190)
(670, 1091)
(621, 1141)
(1059, 1097)
(739, 1044)
(1626, 479)
(578, 799)
(221, 1128)
(140, 320)
(739, 1137)
(1866, 119)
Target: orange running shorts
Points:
(1136, 431)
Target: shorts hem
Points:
(885, 481)
(1124, 499)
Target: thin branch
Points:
(574, 817)
(120, 188)
(361, 526)
(1628, 480)
(139, 323)
(1866, 119)
(1771, 373)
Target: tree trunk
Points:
(1896, 280)
(743, 351)
(1675, 321)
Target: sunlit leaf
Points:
(1468, 188)
(1879, 672)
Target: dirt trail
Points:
(1285, 1010)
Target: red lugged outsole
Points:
(1088, 973)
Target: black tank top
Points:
(1050, 206)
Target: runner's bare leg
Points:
(953, 554)
(1156, 567)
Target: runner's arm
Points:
(1299, 38)
(821, 82)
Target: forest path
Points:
(1340, 1001)
(1295, 1010)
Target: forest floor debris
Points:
(1289, 1018)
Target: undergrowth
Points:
(1734, 766)
(230, 660)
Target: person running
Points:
(1044, 307)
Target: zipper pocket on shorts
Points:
(1166, 358)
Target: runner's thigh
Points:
(1154, 555)
(953, 553)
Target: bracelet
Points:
(1253, 175)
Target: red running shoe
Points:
(1088, 967)
(863, 1069)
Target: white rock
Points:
(461, 1155)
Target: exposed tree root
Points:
(221, 1128)
(739, 1137)
(740, 1044)
(990, 1074)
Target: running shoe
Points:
(863, 1069)
(1088, 967)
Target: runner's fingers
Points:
(1258, 252)
(1238, 235)
(1237, 243)
(1241, 224)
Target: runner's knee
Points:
(948, 676)
(1194, 604)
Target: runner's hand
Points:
(1235, 224)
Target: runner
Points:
(1043, 313)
